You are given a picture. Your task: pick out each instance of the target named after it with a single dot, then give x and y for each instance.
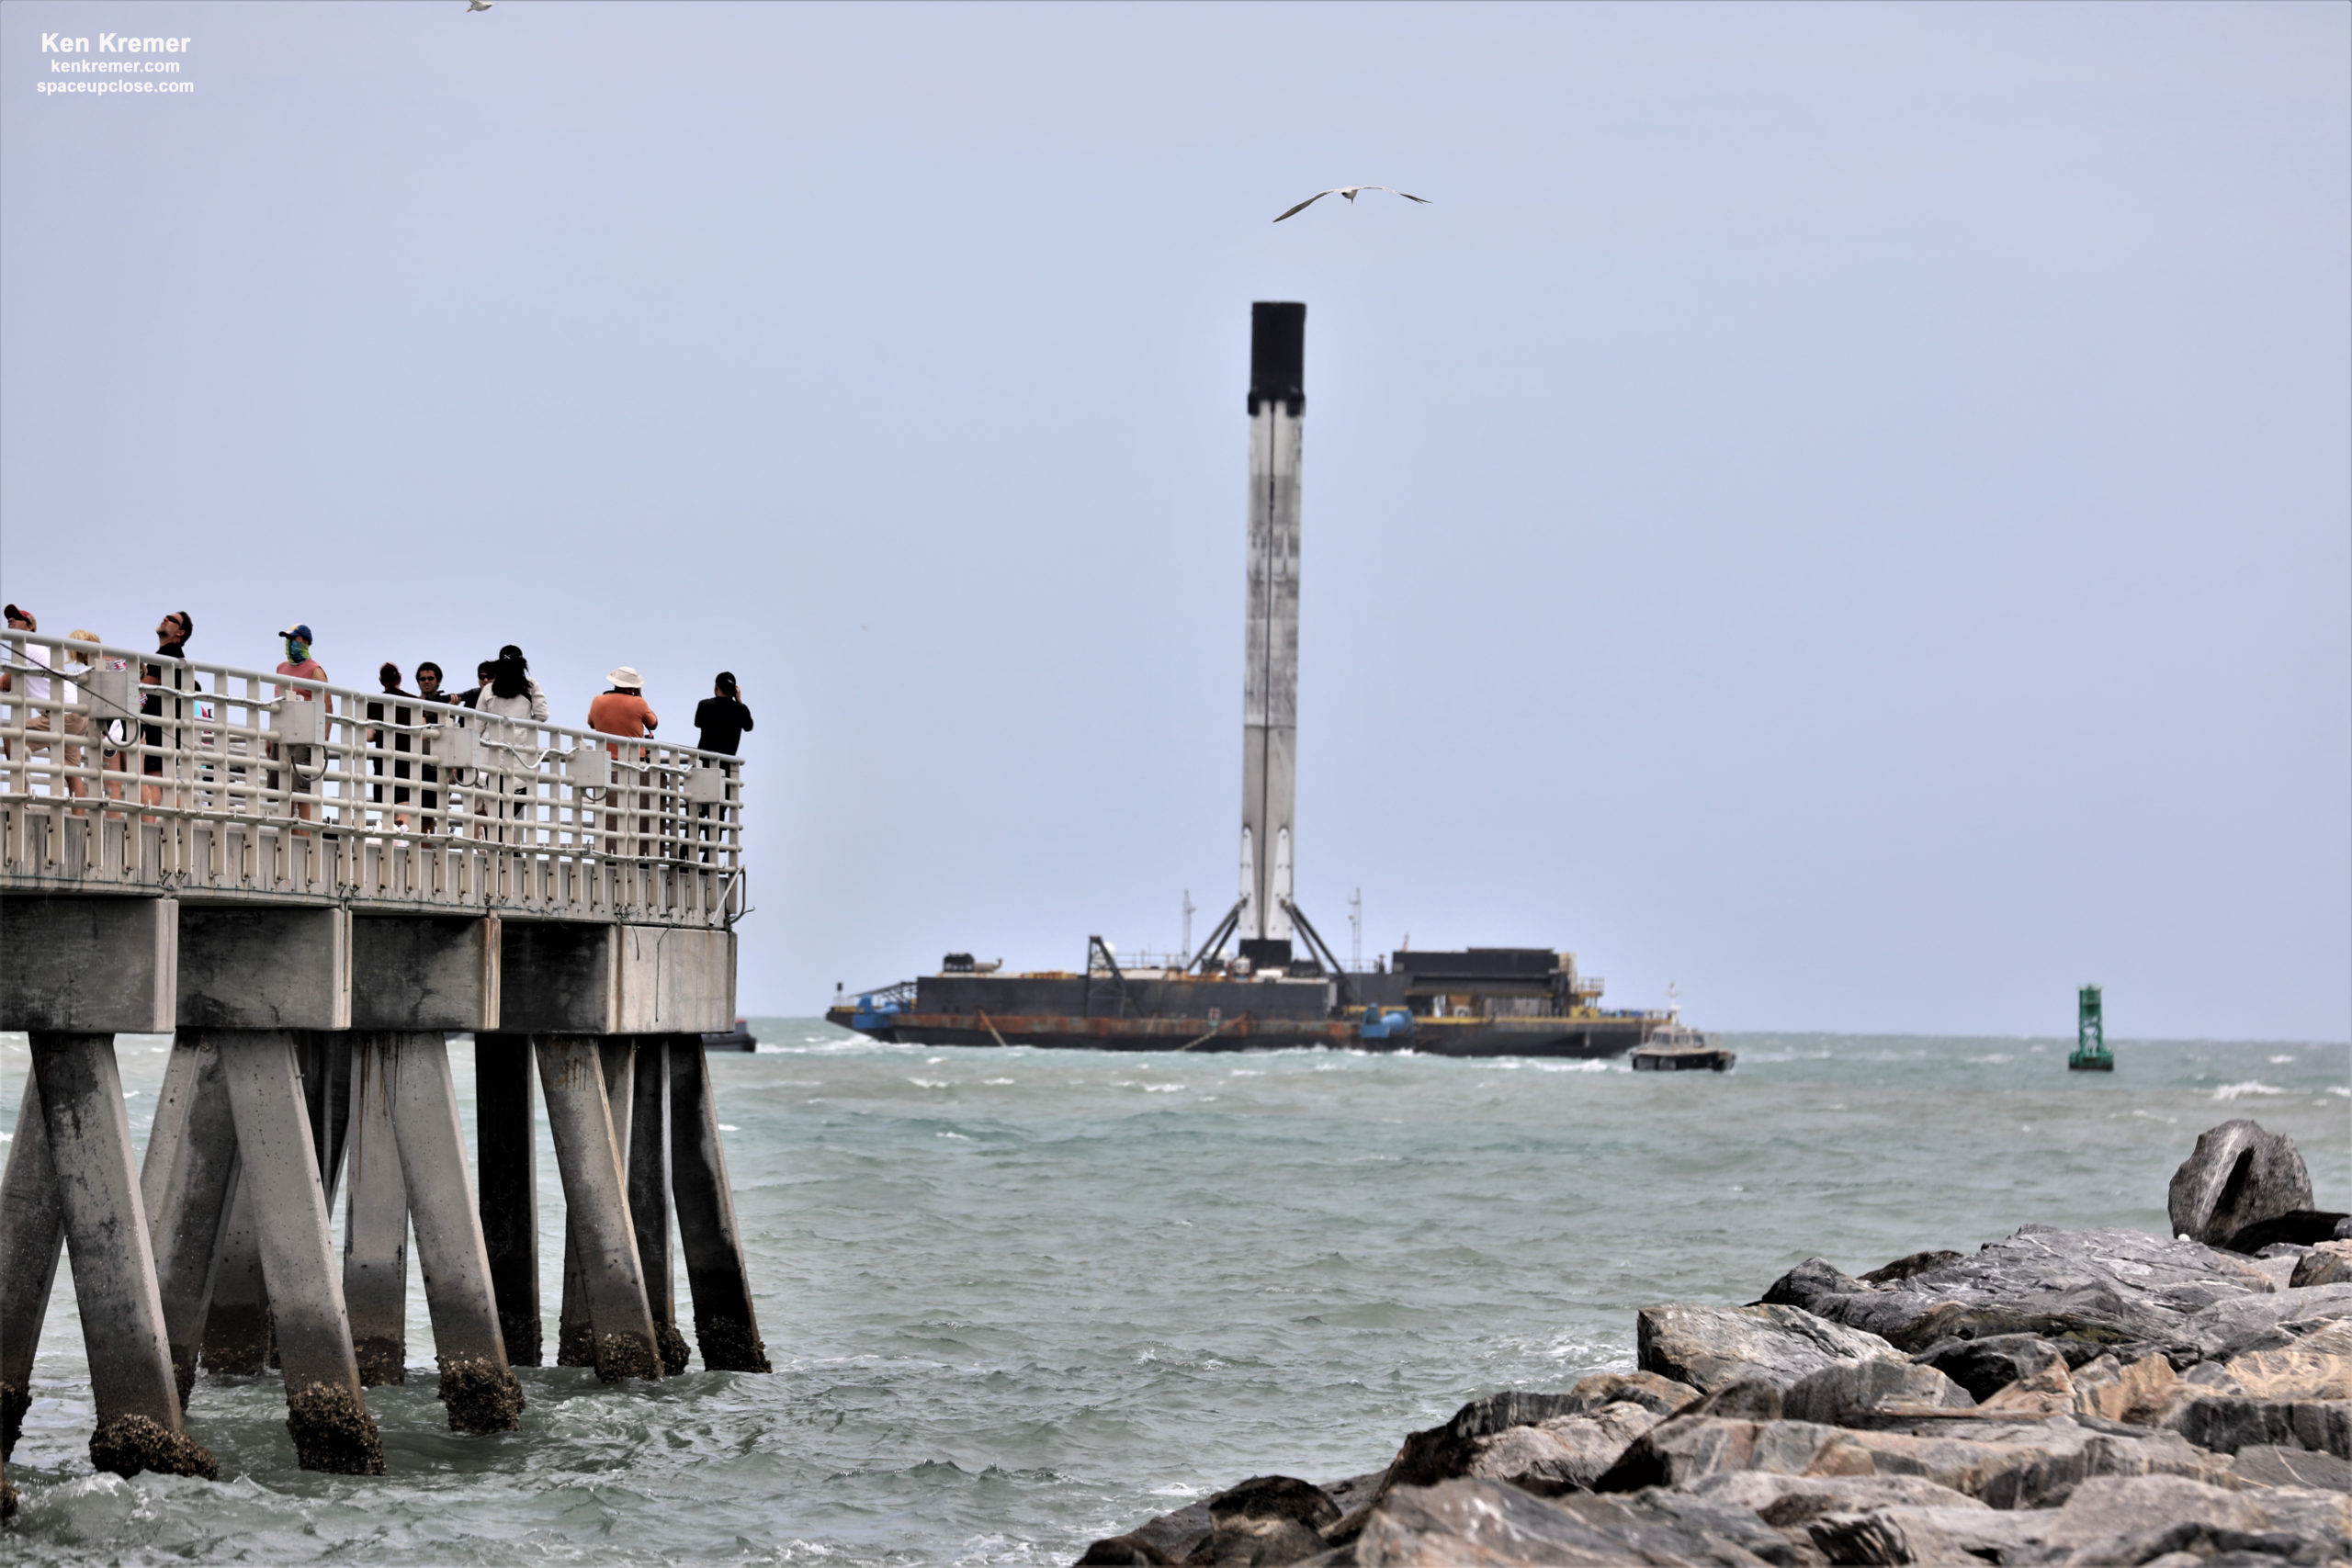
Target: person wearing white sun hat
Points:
(623, 711)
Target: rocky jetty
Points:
(2058, 1397)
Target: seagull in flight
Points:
(1350, 192)
(473, 6)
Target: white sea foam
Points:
(2240, 1090)
(1338, 1220)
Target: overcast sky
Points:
(1843, 508)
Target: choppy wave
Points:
(1006, 1323)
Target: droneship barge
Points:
(1282, 987)
(1482, 1001)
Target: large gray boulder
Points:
(2086, 1291)
(1785, 1502)
(1171, 1538)
(1984, 1367)
(2232, 1328)
(2329, 1263)
(2267, 1464)
(1470, 1523)
(1568, 1453)
(1266, 1521)
(2008, 1464)
(1905, 1533)
(1850, 1389)
(1543, 1443)
(2226, 1424)
(2174, 1521)
(1712, 1348)
(2143, 1519)
(2237, 1176)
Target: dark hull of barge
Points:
(1113, 1033)
(1587, 1038)
(1478, 1002)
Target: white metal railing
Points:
(131, 771)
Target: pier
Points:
(309, 888)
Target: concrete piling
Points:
(236, 1324)
(509, 1178)
(324, 1058)
(375, 1229)
(187, 1182)
(32, 1238)
(727, 1331)
(469, 1340)
(649, 1196)
(278, 1164)
(595, 1193)
(575, 1343)
(137, 1396)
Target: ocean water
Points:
(1018, 1298)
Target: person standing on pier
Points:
(722, 718)
(402, 719)
(721, 721)
(623, 711)
(297, 662)
(23, 655)
(484, 673)
(428, 687)
(515, 697)
(171, 642)
(77, 757)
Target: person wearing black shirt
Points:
(723, 721)
(428, 686)
(171, 642)
(484, 673)
(722, 717)
(403, 718)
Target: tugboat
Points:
(739, 1038)
(1676, 1049)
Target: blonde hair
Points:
(77, 634)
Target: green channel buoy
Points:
(2091, 1055)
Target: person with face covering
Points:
(299, 663)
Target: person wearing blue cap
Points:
(297, 662)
